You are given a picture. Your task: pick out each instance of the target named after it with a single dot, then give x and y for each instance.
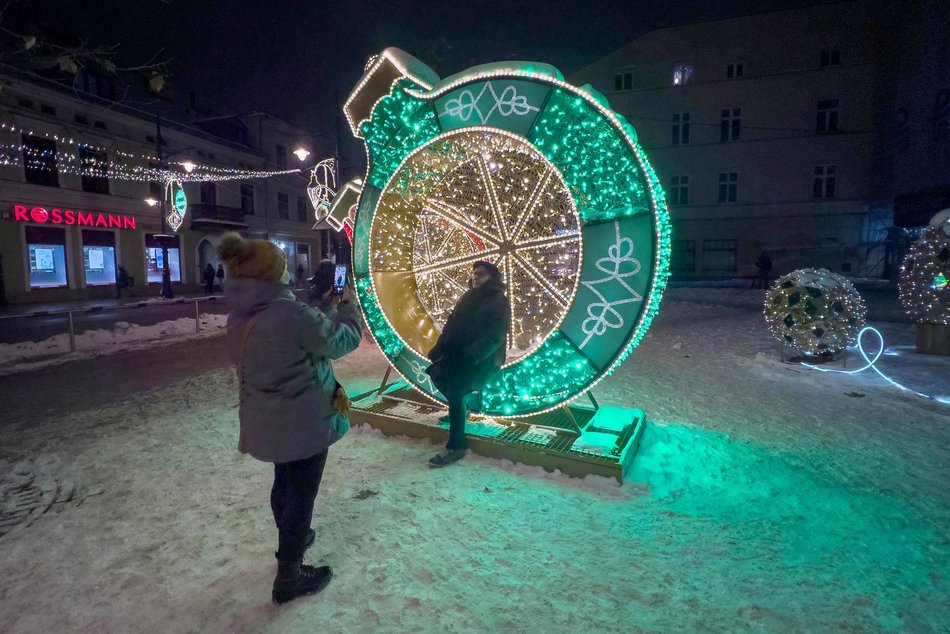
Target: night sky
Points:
(287, 57)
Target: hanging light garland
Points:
(10, 156)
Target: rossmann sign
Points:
(56, 216)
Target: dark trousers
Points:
(458, 412)
(295, 488)
(209, 286)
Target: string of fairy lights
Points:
(90, 161)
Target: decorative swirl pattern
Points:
(507, 104)
(602, 315)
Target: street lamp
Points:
(163, 240)
(302, 154)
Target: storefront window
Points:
(47, 251)
(98, 255)
(154, 262)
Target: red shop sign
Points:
(58, 216)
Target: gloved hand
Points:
(341, 401)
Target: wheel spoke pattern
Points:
(474, 195)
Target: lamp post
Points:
(163, 238)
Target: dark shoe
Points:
(296, 579)
(447, 457)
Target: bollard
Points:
(197, 319)
(72, 334)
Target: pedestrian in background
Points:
(764, 264)
(220, 276)
(208, 277)
(470, 349)
(291, 408)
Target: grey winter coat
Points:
(286, 410)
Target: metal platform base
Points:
(576, 440)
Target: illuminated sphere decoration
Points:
(506, 163)
(814, 311)
(923, 285)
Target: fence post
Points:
(72, 334)
(197, 319)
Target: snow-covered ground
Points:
(765, 497)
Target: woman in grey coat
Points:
(291, 406)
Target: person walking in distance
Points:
(208, 276)
(470, 349)
(764, 264)
(291, 407)
(220, 276)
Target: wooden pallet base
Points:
(575, 440)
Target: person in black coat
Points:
(469, 351)
(209, 278)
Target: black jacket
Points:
(472, 345)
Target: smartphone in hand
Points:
(339, 279)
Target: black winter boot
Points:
(295, 580)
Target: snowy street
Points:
(765, 497)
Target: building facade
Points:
(764, 130)
(68, 220)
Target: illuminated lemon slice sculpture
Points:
(505, 163)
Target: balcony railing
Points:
(216, 214)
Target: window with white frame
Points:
(825, 181)
(623, 79)
(719, 256)
(728, 187)
(682, 74)
(46, 247)
(734, 70)
(830, 57)
(679, 190)
(683, 256)
(681, 128)
(283, 206)
(827, 119)
(247, 198)
(302, 206)
(731, 126)
(280, 156)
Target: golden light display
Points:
(814, 311)
(468, 196)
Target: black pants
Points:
(458, 412)
(295, 488)
(209, 286)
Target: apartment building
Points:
(764, 131)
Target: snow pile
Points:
(29, 355)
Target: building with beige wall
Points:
(762, 129)
(45, 125)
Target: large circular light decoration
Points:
(506, 163)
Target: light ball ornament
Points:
(814, 311)
(923, 284)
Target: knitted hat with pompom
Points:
(257, 259)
